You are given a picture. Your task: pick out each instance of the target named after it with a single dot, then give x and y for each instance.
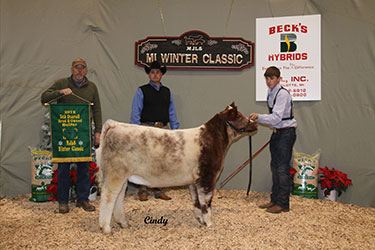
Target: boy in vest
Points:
(153, 106)
(280, 119)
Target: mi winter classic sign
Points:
(293, 45)
(195, 50)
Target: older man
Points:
(62, 91)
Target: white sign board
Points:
(293, 45)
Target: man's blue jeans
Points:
(281, 147)
(83, 182)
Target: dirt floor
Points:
(238, 224)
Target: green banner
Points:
(70, 132)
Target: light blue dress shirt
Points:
(281, 110)
(137, 107)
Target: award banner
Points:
(70, 132)
(293, 44)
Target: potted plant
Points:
(333, 180)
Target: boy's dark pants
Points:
(83, 182)
(281, 147)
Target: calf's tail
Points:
(107, 125)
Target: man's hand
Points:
(97, 139)
(66, 91)
(253, 117)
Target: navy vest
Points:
(155, 104)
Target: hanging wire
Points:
(303, 13)
(304, 8)
(269, 6)
(162, 18)
(226, 23)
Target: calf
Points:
(164, 158)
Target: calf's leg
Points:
(112, 185)
(197, 205)
(205, 198)
(119, 211)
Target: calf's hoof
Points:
(123, 224)
(106, 230)
(208, 223)
(200, 220)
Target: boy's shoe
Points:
(163, 197)
(267, 205)
(86, 206)
(276, 209)
(143, 197)
(63, 208)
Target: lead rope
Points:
(226, 180)
(251, 164)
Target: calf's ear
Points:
(232, 113)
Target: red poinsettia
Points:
(73, 176)
(52, 188)
(292, 172)
(93, 170)
(332, 179)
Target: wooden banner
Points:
(195, 50)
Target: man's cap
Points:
(155, 65)
(79, 61)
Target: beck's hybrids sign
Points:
(293, 44)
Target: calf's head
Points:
(238, 125)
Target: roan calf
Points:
(164, 158)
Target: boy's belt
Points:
(155, 124)
(280, 129)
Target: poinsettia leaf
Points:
(341, 180)
(51, 198)
(49, 189)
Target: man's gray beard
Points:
(79, 78)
